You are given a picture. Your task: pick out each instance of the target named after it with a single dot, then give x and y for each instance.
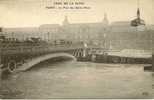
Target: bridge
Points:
(15, 57)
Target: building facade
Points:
(117, 35)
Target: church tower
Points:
(138, 21)
(65, 22)
(138, 13)
(105, 20)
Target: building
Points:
(118, 35)
(21, 33)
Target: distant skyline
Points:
(27, 13)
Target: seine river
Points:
(71, 79)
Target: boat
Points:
(126, 56)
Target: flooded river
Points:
(71, 79)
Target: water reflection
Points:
(71, 79)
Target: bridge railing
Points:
(28, 48)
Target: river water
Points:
(71, 79)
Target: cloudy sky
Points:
(23, 13)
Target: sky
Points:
(27, 13)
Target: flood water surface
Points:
(71, 79)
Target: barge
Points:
(126, 56)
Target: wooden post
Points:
(152, 62)
(0, 69)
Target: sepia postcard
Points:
(76, 49)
